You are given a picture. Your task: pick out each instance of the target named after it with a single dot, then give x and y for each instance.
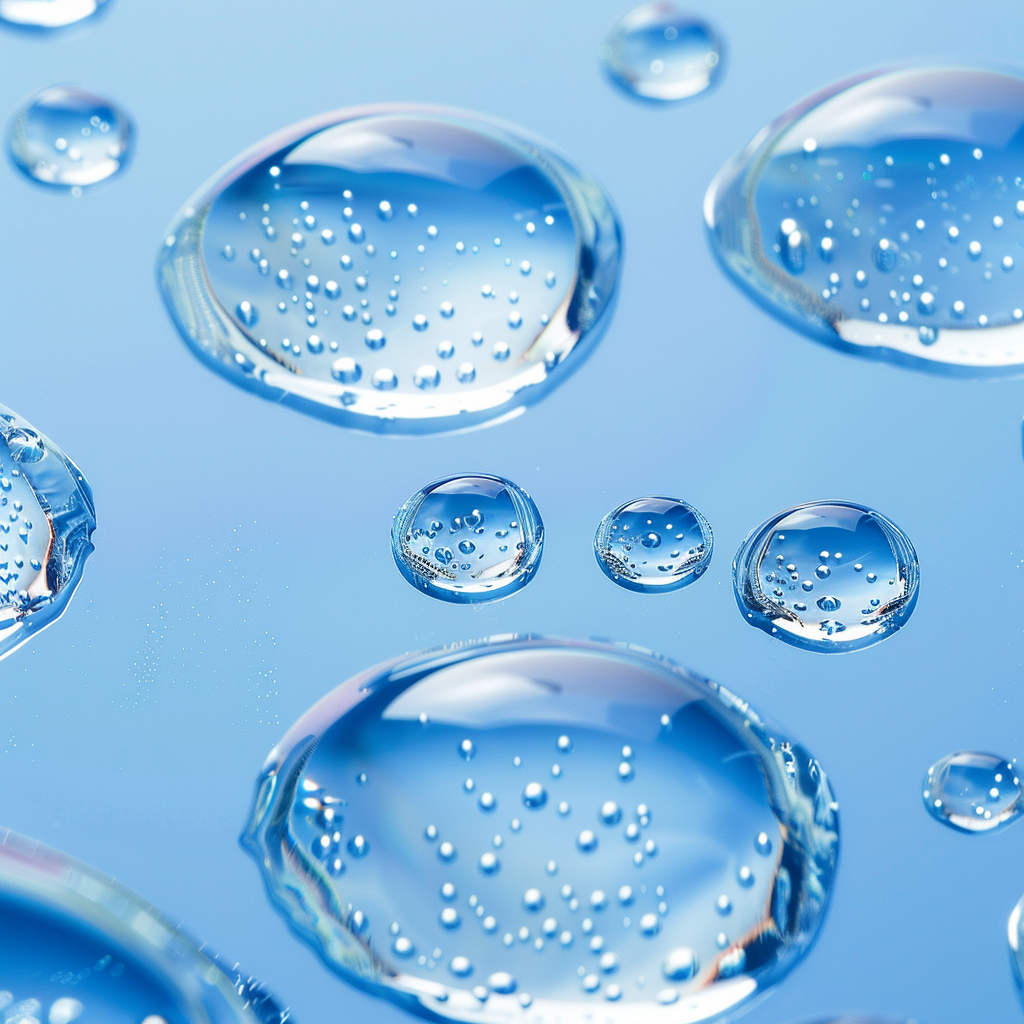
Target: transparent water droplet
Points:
(704, 806)
(53, 141)
(48, 15)
(64, 920)
(973, 792)
(1015, 932)
(628, 538)
(658, 51)
(353, 170)
(499, 566)
(843, 619)
(48, 519)
(873, 163)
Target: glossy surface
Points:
(395, 269)
(973, 792)
(660, 51)
(884, 215)
(653, 545)
(47, 14)
(46, 522)
(69, 138)
(577, 829)
(1015, 937)
(75, 945)
(829, 576)
(468, 538)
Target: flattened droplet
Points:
(913, 177)
(973, 792)
(68, 138)
(862, 594)
(46, 521)
(706, 792)
(59, 913)
(417, 280)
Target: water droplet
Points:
(498, 568)
(973, 792)
(660, 52)
(47, 538)
(70, 928)
(611, 813)
(807, 533)
(648, 521)
(880, 183)
(48, 14)
(518, 696)
(353, 172)
(53, 139)
(1016, 936)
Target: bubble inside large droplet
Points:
(63, 920)
(402, 269)
(973, 792)
(46, 521)
(658, 51)
(48, 14)
(69, 138)
(885, 216)
(829, 576)
(653, 545)
(468, 538)
(700, 875)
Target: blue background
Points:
(243, 565)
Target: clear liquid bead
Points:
(76, 945)
(973, 792)
(828, 576)
(705, 870)
(660, 52)
(48, 14)
(885, 216)
(654, 545)
(1015, 931)
(46, 521)
(468, 538)
(395, 269)
(68, 138)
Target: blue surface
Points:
(243, 562)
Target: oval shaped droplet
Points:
(711, 789)
(69, 138)
(470, 201)
(47, 15)
(46, 522)
(973, 792)
(492, 523)
(827, 576)
(654, 545)
(904, 191)
(130, 964)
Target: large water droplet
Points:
(653, 545)
(660, 52)
(46, 520)
(502, 520)
(48, 14)
(470, 201)
(69, 138)
(708, 791)
(863, 593)
(902, 192)
(973, 792)
(128, 963)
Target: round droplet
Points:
(973, 792)
(69, 138)
(48, 15)
(48, 520)
(499, 561)
(534, 795)
(658, 51)
(707, 804)
(629, 540)
(611, 813)
(348, 173)
(870, 163)
(860, 609)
